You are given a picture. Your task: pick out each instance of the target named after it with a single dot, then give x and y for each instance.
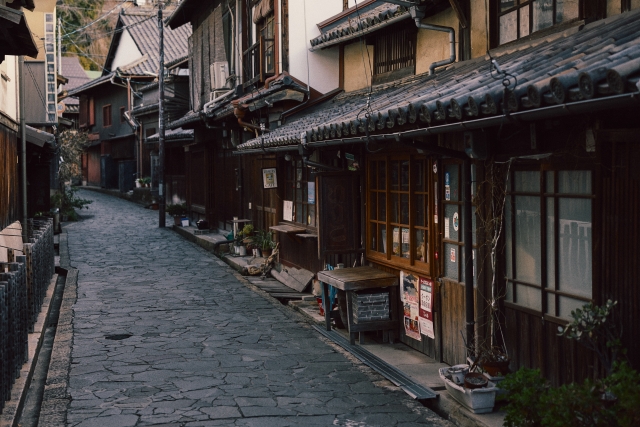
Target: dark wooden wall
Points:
(619, 269)
(9, 186)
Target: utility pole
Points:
(23, 149)
(161, 134)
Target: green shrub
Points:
(525, 389)
(67, 202)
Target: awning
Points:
(15, 36)
(39, 138)
(261, 10)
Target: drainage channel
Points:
(399, 378)
(30, 414)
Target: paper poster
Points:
(446, 228)
(426, 307)
(410, 298)
(269, 178)
(287, 210)
(456, 221)
(452, 256)
(447, 192)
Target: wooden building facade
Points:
(504, 180)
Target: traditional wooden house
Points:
(114, 157)
(496, 179)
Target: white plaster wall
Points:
(9, 88)
(127, 51)
(323, 64)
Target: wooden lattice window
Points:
(394, 49)
(519, 18)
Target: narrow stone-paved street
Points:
(166, 334)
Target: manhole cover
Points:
(118, 337)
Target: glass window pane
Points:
(452, 215)
(451, 261)
(567, 10)
(394, 167)
(528, 297)
(542, 14)
(382, 239)
(382, 175)
(524, 21)
(549, 182)
(422, 246)
(527, 181)
(527, 239)
(508, 27)
(405, 242)
(451, 182)
(404, 208)
(567, 305)
(375, 240)
(373, 208)
(551, 250)
(382, 207)
(420, 178)
(551, 304)
(574, 182)
(575, 243)
(299, 212)
(509, 295)
(507, 4)
(508, 239)
(373, 178)
(396, 241)
(404, 175)
(395, 208)
(420, 211)
(312, 214)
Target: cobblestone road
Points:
(165, 335)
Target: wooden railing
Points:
(259, 60)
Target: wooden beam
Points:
(457, 8)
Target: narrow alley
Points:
(165, 334)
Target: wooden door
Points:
(264, 201)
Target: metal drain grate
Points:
(416, 391)
(118, 337)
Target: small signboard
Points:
(269, 178)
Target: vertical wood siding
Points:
(9, 185)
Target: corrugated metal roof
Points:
(597, 60)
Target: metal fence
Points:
(23, 285)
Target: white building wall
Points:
(323, 69)
(9, 87)
(127, 51)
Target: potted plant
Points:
(145, 182)
(177, 211)
(263, 240)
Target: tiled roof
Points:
(172, 134)
(598, 60)
(72, 70)
(189, 118)
(143, 28)
(91, 84)
(360, 23)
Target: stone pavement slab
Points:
(165, 335)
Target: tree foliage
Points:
(72, 142)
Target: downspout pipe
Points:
(418, 14)
(23, 148)
(468, 258)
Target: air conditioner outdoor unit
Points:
(219, 74)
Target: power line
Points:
(97, 20)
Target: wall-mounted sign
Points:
(456, 221)
(269, 178)
(287, 210)
(426, 307)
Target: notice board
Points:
(338, 212)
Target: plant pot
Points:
(457, 373)
(138, 185)
(266, 253)
(177, 220)
(496, 369)
(478, 401)
(474, 380)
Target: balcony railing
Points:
(259, 61)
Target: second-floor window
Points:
(106, 115)
(394, 50)
(260, 57)
(520, 18)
